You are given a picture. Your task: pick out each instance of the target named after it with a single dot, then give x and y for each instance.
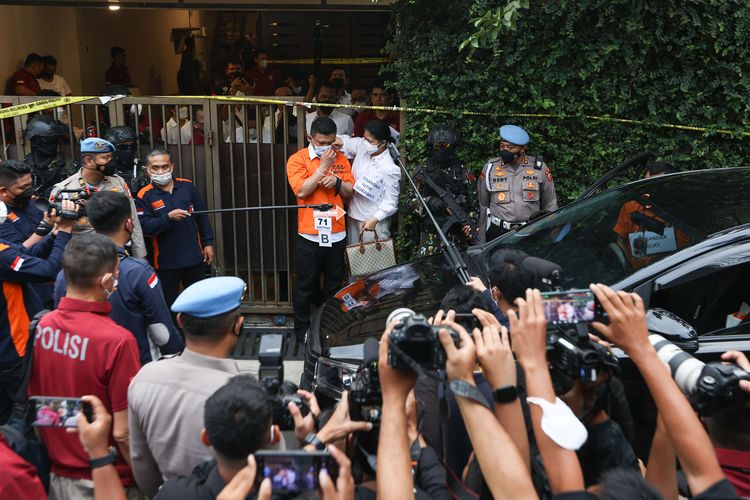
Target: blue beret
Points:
(514, 135)
(96, 145)
(210, 297)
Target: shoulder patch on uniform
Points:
(12, 217)
(17, 263)
(548, 173)
(153, 280)
(145, 189)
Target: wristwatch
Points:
(107, 459)
(505, 394)
(314, 440)
(469, 391)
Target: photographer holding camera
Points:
(98, 173)
(21, 269)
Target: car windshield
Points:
(608, 237)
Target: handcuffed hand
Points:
(329, 181)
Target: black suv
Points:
(703, 277)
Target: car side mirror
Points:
(673, 328)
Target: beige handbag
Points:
(365, 258)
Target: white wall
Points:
(46, 31)
(144, 33)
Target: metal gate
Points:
(234, 153)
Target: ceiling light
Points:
(114, 5)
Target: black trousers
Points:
(171, 279)
(313, 260)
(10, 380)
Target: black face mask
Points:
(21, 200)
(44, 147)
(125, 156)
(442, 155)
(107, 169)
(337, 83)
(507, 156)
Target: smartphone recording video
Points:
(294, 471)
(571, 307)
(59, 412)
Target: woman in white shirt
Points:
(376, 186)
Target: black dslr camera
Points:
(365, 395)
(271, 375)
(709, 387)
(414, 338)
(572, 356)
(78, 196)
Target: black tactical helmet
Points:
(44, 126)
(442, 134)
(119, 134)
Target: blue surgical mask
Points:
(319, 150)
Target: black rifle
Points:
(458, 215)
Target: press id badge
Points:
(370, 187)
(649, 243)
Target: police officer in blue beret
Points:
(166, 399)
(97, 173)
(512, 186)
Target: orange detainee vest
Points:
(299, 168)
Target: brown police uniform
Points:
(509, 194)
(109, 183)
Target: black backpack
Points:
(18, 432)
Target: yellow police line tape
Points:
(346, 60)
(32, 107)
(22, 109)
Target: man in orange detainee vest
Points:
(318, 174)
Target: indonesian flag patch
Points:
(139, 211)
(153, 280)
(17, 263)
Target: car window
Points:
(606, 238)
(711, 302)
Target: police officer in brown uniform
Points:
(513, 186)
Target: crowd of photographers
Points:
(481, 400)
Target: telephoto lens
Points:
(708, 387)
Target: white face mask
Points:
(161, 179)
(371, 149)
(319, 150)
